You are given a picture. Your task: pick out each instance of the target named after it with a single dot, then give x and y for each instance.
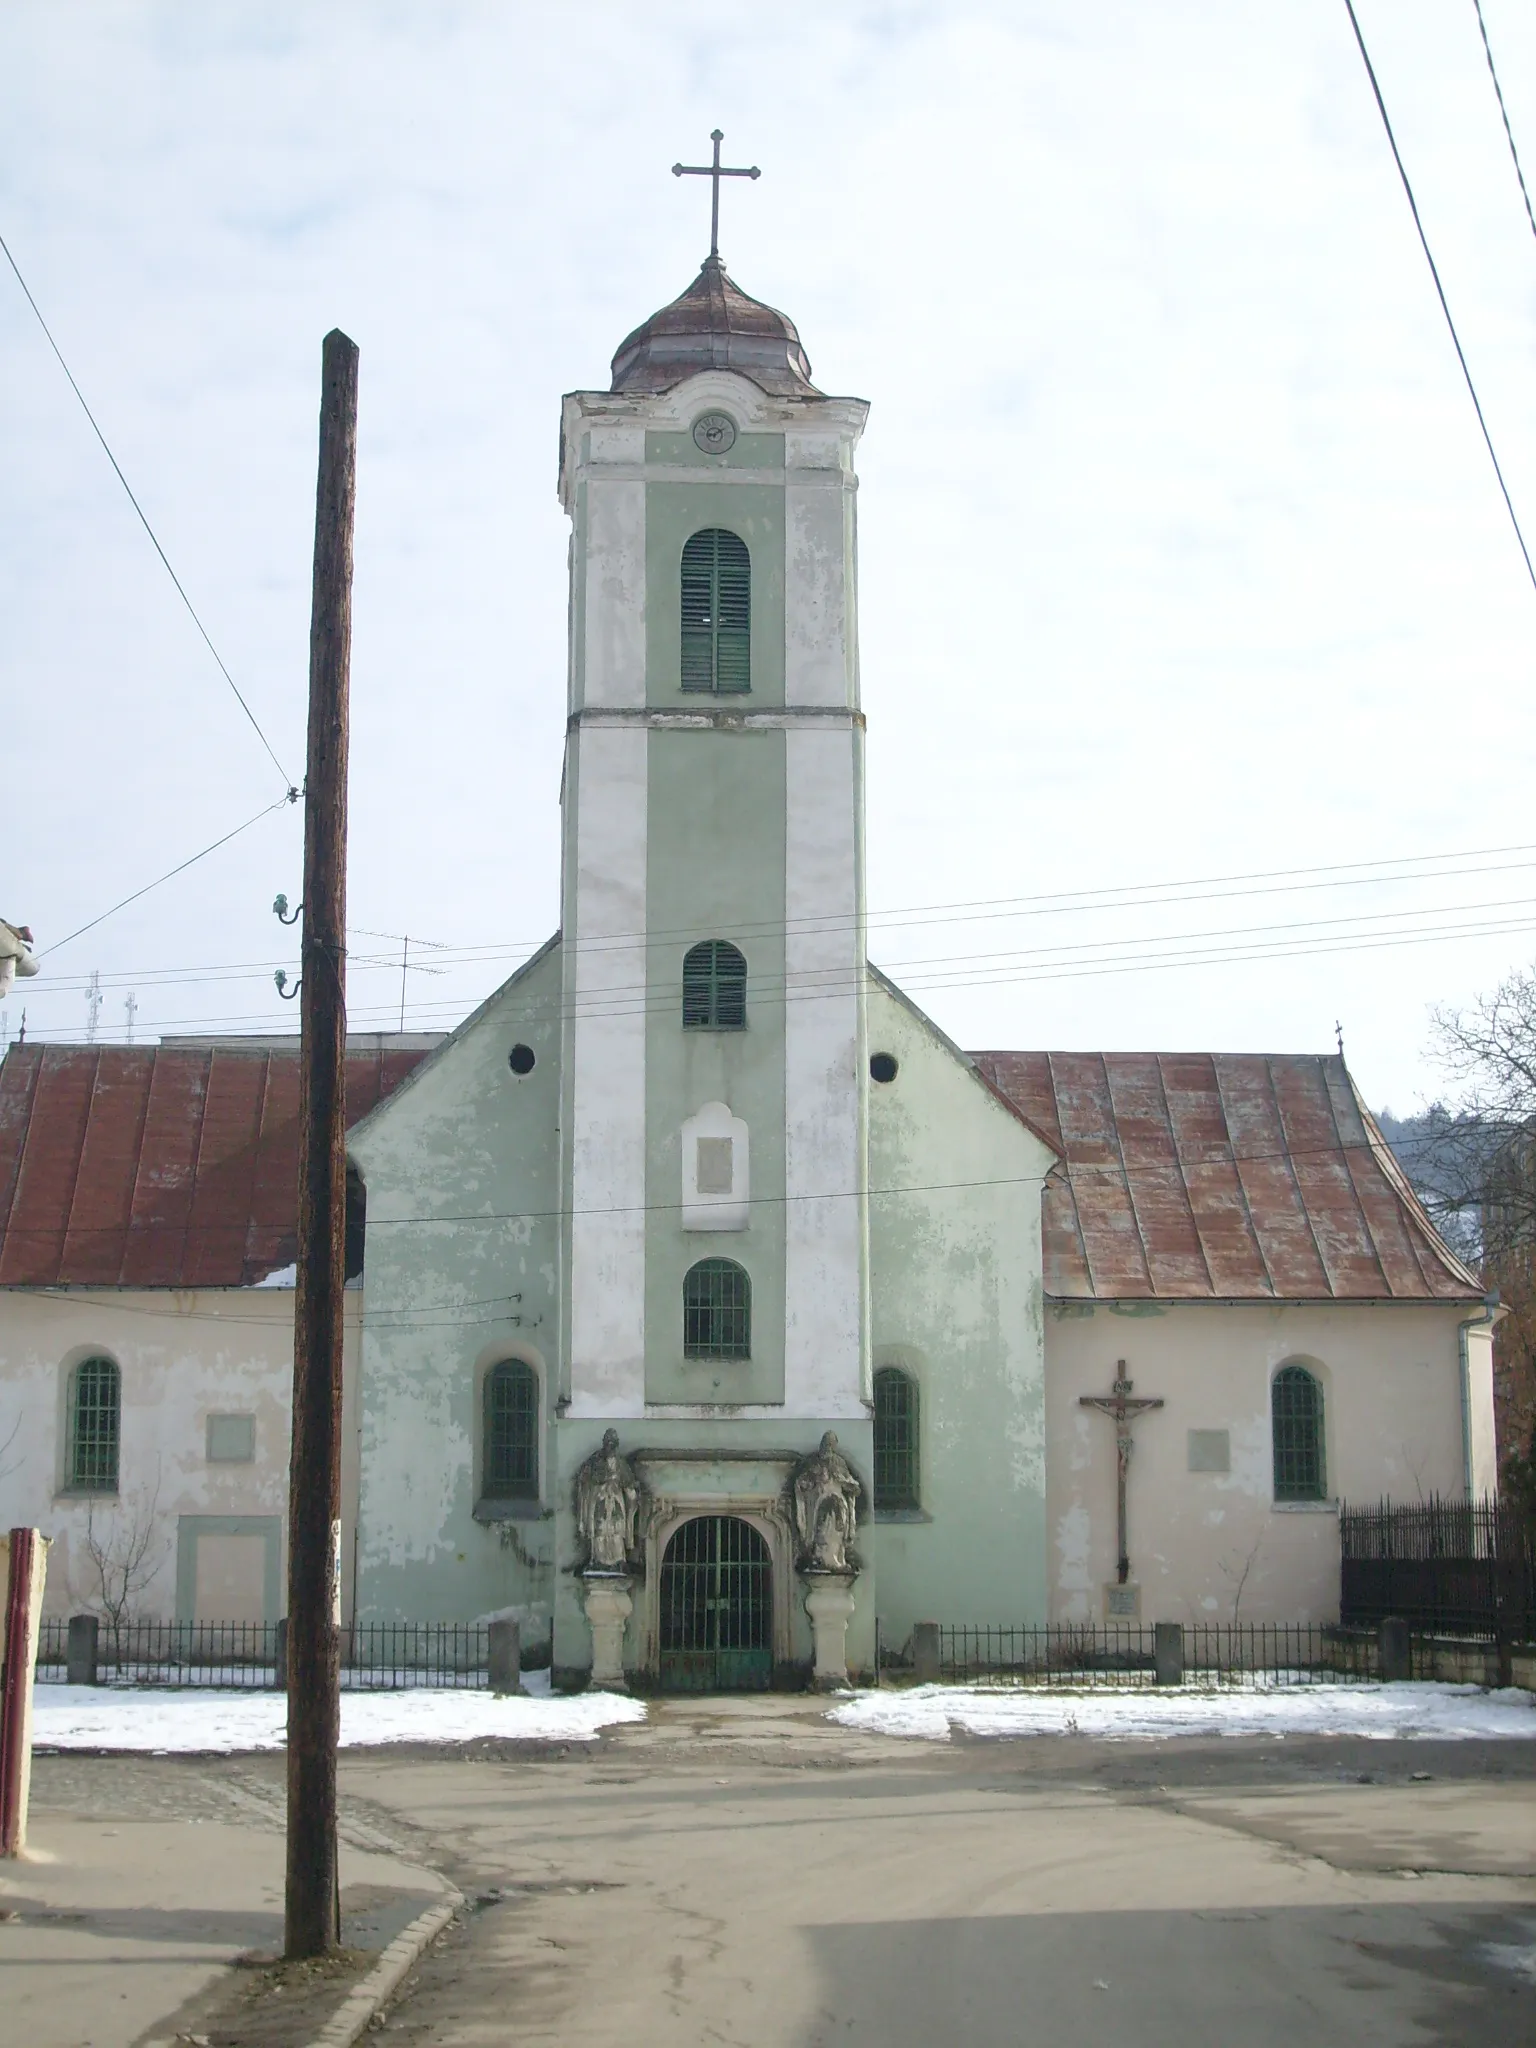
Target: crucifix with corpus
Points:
(714, 172)
(1122, 1411)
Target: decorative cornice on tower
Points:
(714, 325)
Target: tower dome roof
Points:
(714, 326)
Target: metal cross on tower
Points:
(714, 172)
(1122, 1410)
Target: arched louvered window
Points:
(717, 613)
(714, 987)
(95, 1425)
(511, 1447)
(1296, 1409)
(717, 1310)
(895, 1439)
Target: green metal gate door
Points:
(716, 1607)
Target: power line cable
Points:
(911, 916)
(1509, 133)
(1445, 308)
(180, 869)
(143, 521)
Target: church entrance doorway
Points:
(716, 1607)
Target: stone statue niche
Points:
(824, 1494)
(609, 1503)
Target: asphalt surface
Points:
(738, 1872)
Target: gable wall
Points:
(477, 1146)
(957, 1302)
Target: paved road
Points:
(736, 1872)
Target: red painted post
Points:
(23, 1607)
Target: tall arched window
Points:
(717, 613)
(510, 1461)
(95, 1424)
(714, 987)
(895, 1439)
(717, 1310)
(1296, 1409)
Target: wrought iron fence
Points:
(249, 1656)
(1457, 1567)
(1249, 1655)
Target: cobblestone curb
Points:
(348, 2024)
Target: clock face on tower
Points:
(715, 432)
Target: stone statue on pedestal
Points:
(826, 1495)
(608, 1499)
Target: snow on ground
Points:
(166, 1720)
(1417, 1712)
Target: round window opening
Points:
(520, 1059)
(882, 1066)
(715, 433)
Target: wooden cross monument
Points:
(1122, 1410)
(714, 172)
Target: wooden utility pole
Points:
(312, 1922)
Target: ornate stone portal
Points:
(825, 1492)
(610, 1503)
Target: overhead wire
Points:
(1509, 133)
(181, 867)
(1461, 357)
(144, 522)
(995, 909)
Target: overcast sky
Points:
(1181, 554)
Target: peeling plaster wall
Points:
(467, 1141)
(1210, 1546)
(183, 1357)
(956, 1282)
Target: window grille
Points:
(714, 987)
(95, 1419)
(895, 1439)
(717, 613)
(717, 1310)
(511, 1465)
(1297, 1412)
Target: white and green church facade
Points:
(677, 1186)
(733, 1190)
(699, 1187)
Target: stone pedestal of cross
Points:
(1122, 1410)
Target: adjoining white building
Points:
(699, 1185)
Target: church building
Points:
(714, 1311)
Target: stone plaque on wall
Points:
(1122, 1603)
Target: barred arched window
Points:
(1296, 1409)
(896, 1471)
(717, 613)
(510, 1452)
(95, 1425)
(714, 987)
(717, 1310)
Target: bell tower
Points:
(713, 1120)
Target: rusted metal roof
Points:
(160, 1166)
(1217, 1176)
(714, 325)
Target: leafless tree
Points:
(125, 1555)
(1476, 1167)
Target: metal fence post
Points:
(80, 1650)
(1168, 1652)
(504, 1661)
(1394, 1649)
